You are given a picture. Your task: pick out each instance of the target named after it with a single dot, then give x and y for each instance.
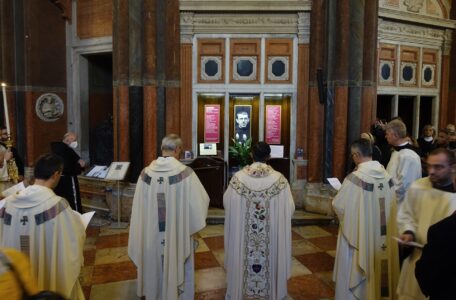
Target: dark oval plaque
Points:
(211, 67)
(278, 68)
(428, 74)
(386, 72)
(244, 67)
(407, 73)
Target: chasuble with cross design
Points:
(170, 204)
(367, 265)
(45, 228)
(258, 210)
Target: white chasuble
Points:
(367, 264)
(423, 206)
(44, 227)
(170, 204)
(258, 209)
(405, 167)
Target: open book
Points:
(334, 182)
(98, 172)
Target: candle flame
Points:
(3, 84)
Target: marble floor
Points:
(109, 273)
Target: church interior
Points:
(309, 75)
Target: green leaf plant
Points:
(240, 152)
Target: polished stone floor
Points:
(109, 273)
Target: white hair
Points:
(171, 142)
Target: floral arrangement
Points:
(241, 152)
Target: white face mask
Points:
(74, 145)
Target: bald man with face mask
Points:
(73, 165)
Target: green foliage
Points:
(241, 152)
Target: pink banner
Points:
(273, 123)
(212, 123)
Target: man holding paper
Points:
(427, 201)
(43, 226)
(367, 264)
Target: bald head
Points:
(69, 137)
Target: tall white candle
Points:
(5, 108)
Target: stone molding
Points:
(303, 27)
(197, 23)
(447, 42)
(245, 5)
(415, 18)
(407, 33)
(186, 27)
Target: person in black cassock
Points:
(68, 186)
(435, 271)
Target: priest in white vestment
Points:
(170, 204)
(367, 262)
(44, 227)
(5, 155)
(405, 164)
(258, 210)
(427, 201)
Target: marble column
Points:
(146, 60)
(448, 77)
(120, 57)
(150, 131)
(316, 61)
(370, 50)
(135, 89)
(339, 56)
(353, 79)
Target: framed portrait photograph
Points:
(242, 116)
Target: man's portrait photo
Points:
(242, 115)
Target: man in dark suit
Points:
(435, 270)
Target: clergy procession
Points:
(384, 219)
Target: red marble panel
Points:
(86, 290)
(113, 272)
(111, 241)
(325, 243)
(334, 229)
(173, 110)
(368, 107)
(186, 96)
(308, 287)
(295, 236)
(92, 231)
(89, 257)
(302, 104)
(204, 260)
(340, 131)
(317, 262)
(214, 243)
(211, 295)
(123, 124)
(150, 123)
(447, 91)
